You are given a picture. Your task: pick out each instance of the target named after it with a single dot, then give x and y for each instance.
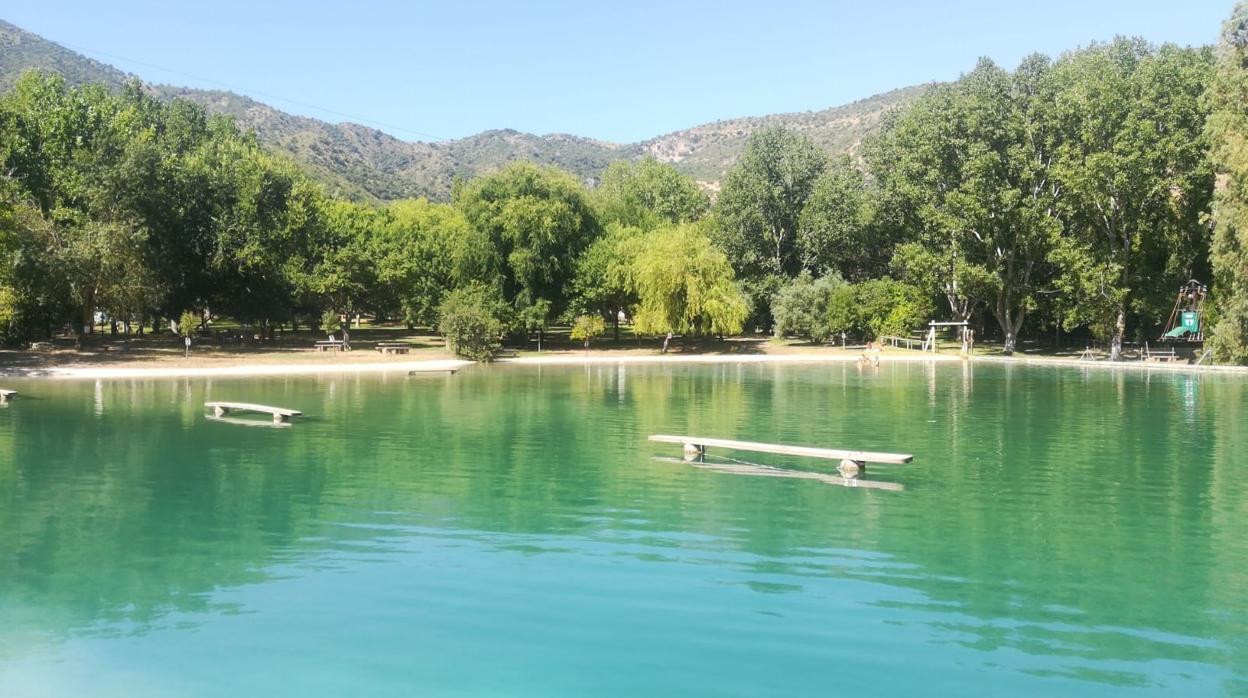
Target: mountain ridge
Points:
(362, 162)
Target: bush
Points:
(801, 309)
(471, 320)
(888, 307)
(188, 322)
(331, 322)
(586, 327)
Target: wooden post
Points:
(218, 411)
(278, 418)
(694, 451)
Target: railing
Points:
(898, 342)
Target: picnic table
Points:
(393, 347)
(332, 345)
(1163, 356)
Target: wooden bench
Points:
(1164, 356)
(331, 345)
(393, 347)
(280, 414)
(5, 394)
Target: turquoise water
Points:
(507, 531)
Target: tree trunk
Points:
(1120, 330)
(615, 320)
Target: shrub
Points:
(188, 322)
(801, 309)
(888, 307)
(586, 327)
(331, 322)
(470, 319)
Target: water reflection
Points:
(1058, 525)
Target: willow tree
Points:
(536, 221)
(685, 285)
(1227, 129)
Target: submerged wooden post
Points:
(852, 468)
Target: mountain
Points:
(364, 163)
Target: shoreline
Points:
(437, 365)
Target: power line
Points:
(266, 95)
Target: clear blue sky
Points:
(616, 71)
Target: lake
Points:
(508, 531)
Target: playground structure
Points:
(964, 335)
(1186, 322)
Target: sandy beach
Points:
(157, 360)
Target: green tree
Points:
(801, 309)
(537, 221)
(1136, 179)
(534, 318)
(604, 281)
(685, 285)
(1227, 131)
(586, 327)
(471, 320)
(419, 251)
(647, 194)
(835, 232)
(762, 201)
(887, 307)
(970, 164)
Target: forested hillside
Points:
(363, 163)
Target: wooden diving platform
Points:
(5, 394)
(699, 444)
(280, 414)
(418, 371)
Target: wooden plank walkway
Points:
(766, 471)
(700, 443)
(280, 414)
(5, 394)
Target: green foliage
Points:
(537, 221)
(648, 194)
(471, 319)
(888, 307)
(685, 285)
(966, 167)
(1133, 166)
(604, 281)
(586, 327)
(801, 309)
(421, 250)
(331, 321)
(762, 201)
(188, 322)
(835, 233)
(1227, 131)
